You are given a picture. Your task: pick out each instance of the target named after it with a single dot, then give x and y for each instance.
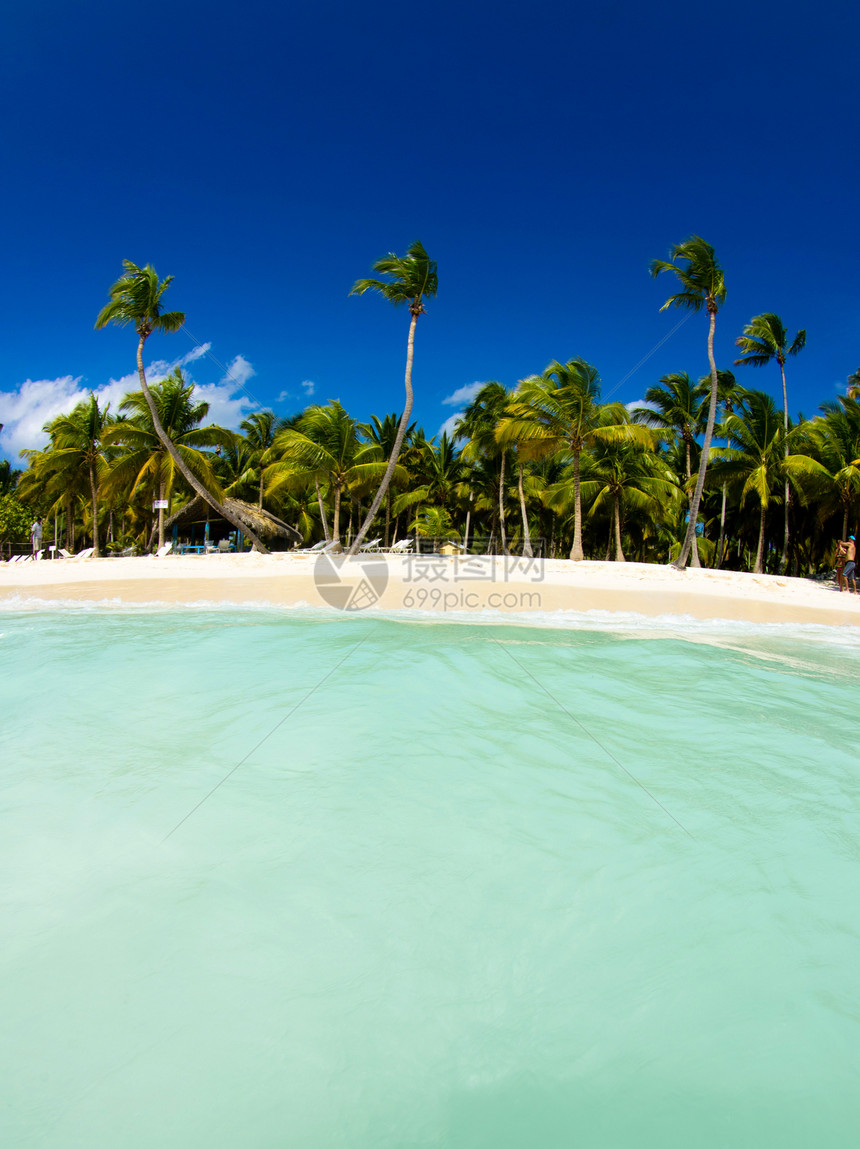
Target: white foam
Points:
(729, 633)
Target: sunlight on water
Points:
(458, 885)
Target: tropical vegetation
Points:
(702, 470)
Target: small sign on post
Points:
(160, 505)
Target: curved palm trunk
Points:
(398, 440)
(681, 561)
(170, 447)
(783, 562)
(758, 555)
(260, 494)
(95, 499)
(576, 550)
(619, 553)
(694, 560)
(502, 532)
(527, 542)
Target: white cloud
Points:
(194, 353)
(239, 371)
(309, 386)
(463, 395)
(449, 424)
(24, 411)
(640, 403)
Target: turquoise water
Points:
(272, 880)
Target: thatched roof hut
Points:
(198, 512)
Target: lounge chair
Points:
(401, 548)
(373, 545)
(84, 554)
(164, 550)
(64, 554)
(316, 549)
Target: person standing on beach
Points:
(847, 576)
(36, 536)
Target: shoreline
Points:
(430, 586)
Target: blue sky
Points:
(266, 154)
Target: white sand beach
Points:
(430, 585)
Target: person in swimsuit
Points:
(847, 576)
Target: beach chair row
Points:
(59, 552)
(371, 547)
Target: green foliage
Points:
(698, 272)
(15, 520)
(411, 278)
(135, 299)
(765, 339)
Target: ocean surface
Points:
(285, 880)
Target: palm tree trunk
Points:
(681, 561)
(335, 529)
(193, 483)
(576, 550)
(502, 506)
(161, 515)
(757, 569)
(694, 559)
(527, 542)
(260, 494)
(719, 561)
(95, 498)
(387, 519)
(398, 440)
(619, 553)
(322, 512)
(783, 562)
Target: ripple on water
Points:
(282, 878)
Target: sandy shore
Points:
(430, 585)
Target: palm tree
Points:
(757, 465)
(260, 431)
(135, 299)
(678, 407)
(729, 395)
(145, 463)
(702, 285)
(412, 279)
(828, 469)
(854, 384)
(323, 447)
(382, 435)
(560, 412)
(764, 341)
(478, 424)
(621, 476)
(79, 448)
(8, 477)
